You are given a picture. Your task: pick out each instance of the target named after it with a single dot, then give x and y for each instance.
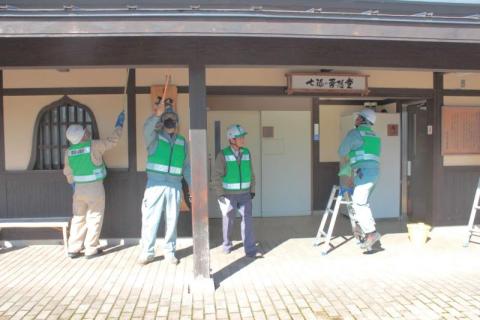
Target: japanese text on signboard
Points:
(304, 82)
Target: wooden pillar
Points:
(3, 182)
(132, 122)
(199, 189)
(437, 174)
(315, 154)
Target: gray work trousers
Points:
(243, 204)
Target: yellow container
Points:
(418, 233)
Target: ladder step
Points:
(477, 207)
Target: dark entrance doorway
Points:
(417, 160)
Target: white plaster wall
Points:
(21, 114)
(330, 129)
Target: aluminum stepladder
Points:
(339, 197)
(473, 230)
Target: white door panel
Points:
(286, 164)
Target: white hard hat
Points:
(235, 131)
(368, 114)
(75, 133)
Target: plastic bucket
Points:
(418, 233)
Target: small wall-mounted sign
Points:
(392, 130)
(267, 132)
(327, 82)
(430, 130)
(316, 133)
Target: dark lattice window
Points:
(50, 142)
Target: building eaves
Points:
(253, 22)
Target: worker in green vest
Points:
(167, 163)
(361, 148)
(85, 171)
(234, 182)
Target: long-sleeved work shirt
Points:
(98, 148)
(221, 171)
(352, 141)
(151, 130)
(369, 169)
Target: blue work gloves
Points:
(344, 190)
(73, 186)
(120, 120)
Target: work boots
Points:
(370, 240)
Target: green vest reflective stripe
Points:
(168, 158)
(83, 168)
(237, 176)
(370, 149)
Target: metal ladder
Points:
(339, 198)
(472, 229)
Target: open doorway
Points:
(417, 150)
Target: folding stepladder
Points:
(340, 198)
(473, 230)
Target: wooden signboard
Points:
(311, 82)
(460, 130)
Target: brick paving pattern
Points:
(292, 281)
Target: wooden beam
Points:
(132, 122)
(461, 93)
(403, 93)
(15, 92)
(438, 171)
(3, 182)
(315, 114)
(240, 90)
(146, 90)
(215, 51)
(199, 187)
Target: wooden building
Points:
(60, 55)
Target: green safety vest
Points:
(369, 150)
(238, 176)
(168, 158)
(80, 161)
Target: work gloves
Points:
(73, 186)
(120, 120)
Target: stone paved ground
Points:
(293, 281)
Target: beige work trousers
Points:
(87, 220)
